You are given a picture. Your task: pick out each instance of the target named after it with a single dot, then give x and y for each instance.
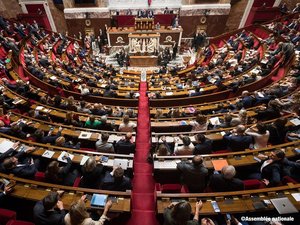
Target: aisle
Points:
(143, 198)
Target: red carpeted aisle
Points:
(143, 198)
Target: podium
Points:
(144, 23)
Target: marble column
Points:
(69, 3)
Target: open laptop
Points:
(284, 205)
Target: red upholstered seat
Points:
(171, 188)
(76, 182)
(253, 184)
(19, 222)
(39, 176)
(6, 215)
(221, 151)
(287, 179)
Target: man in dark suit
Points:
(237, 140)
(193, 174)
(203, 145)
(116, 181)
(49, 211)
(271, 170)
(225, 181)
(125, 146)
(20, 165)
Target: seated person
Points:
(260, 134)
(127, 125)
(61, 141)
(163, 149)
(277, 131)
(193, 174)
(102, 144)
(20, 165)
(78, 214)
(39, 136)
(237, 140)
(92, 123)
(180, 213)
(116, 181)
(225, 181)
(271, 169)
(125, 145)
(61, 174)
(91, 174)
(203, 145)
(186, 149)
(49, 211)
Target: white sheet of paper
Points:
(60, 158)
(83, 160)
(295, 121)
(5, 145)
(85, 135)
(296, 196)
(48, 154)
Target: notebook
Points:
(219, 164)
(284, 205)
(98, 200)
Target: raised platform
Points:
(143, 61)
(119, 36)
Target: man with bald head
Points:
(193, 174)
(237, 140)
(125, 145)
(226, 181)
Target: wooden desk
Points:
(143, 61)
(35, 191)
(230, 202)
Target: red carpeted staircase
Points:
(143, 198)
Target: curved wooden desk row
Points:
(215, 134)
(237, 159)
(96, 99)
(78, 133)
(213, 96)
(43, 93)
(232, 202)
(77, 93)
(35, 191)
(56, 112)
(83, 75)
(79, 155)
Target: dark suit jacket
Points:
(193, 176)
(26, 170)
(238, 142)
(273, 172)
(110, 184)
(124, 147)
(203, 148)
(43, 217)
(91, 179)
(219, 184)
